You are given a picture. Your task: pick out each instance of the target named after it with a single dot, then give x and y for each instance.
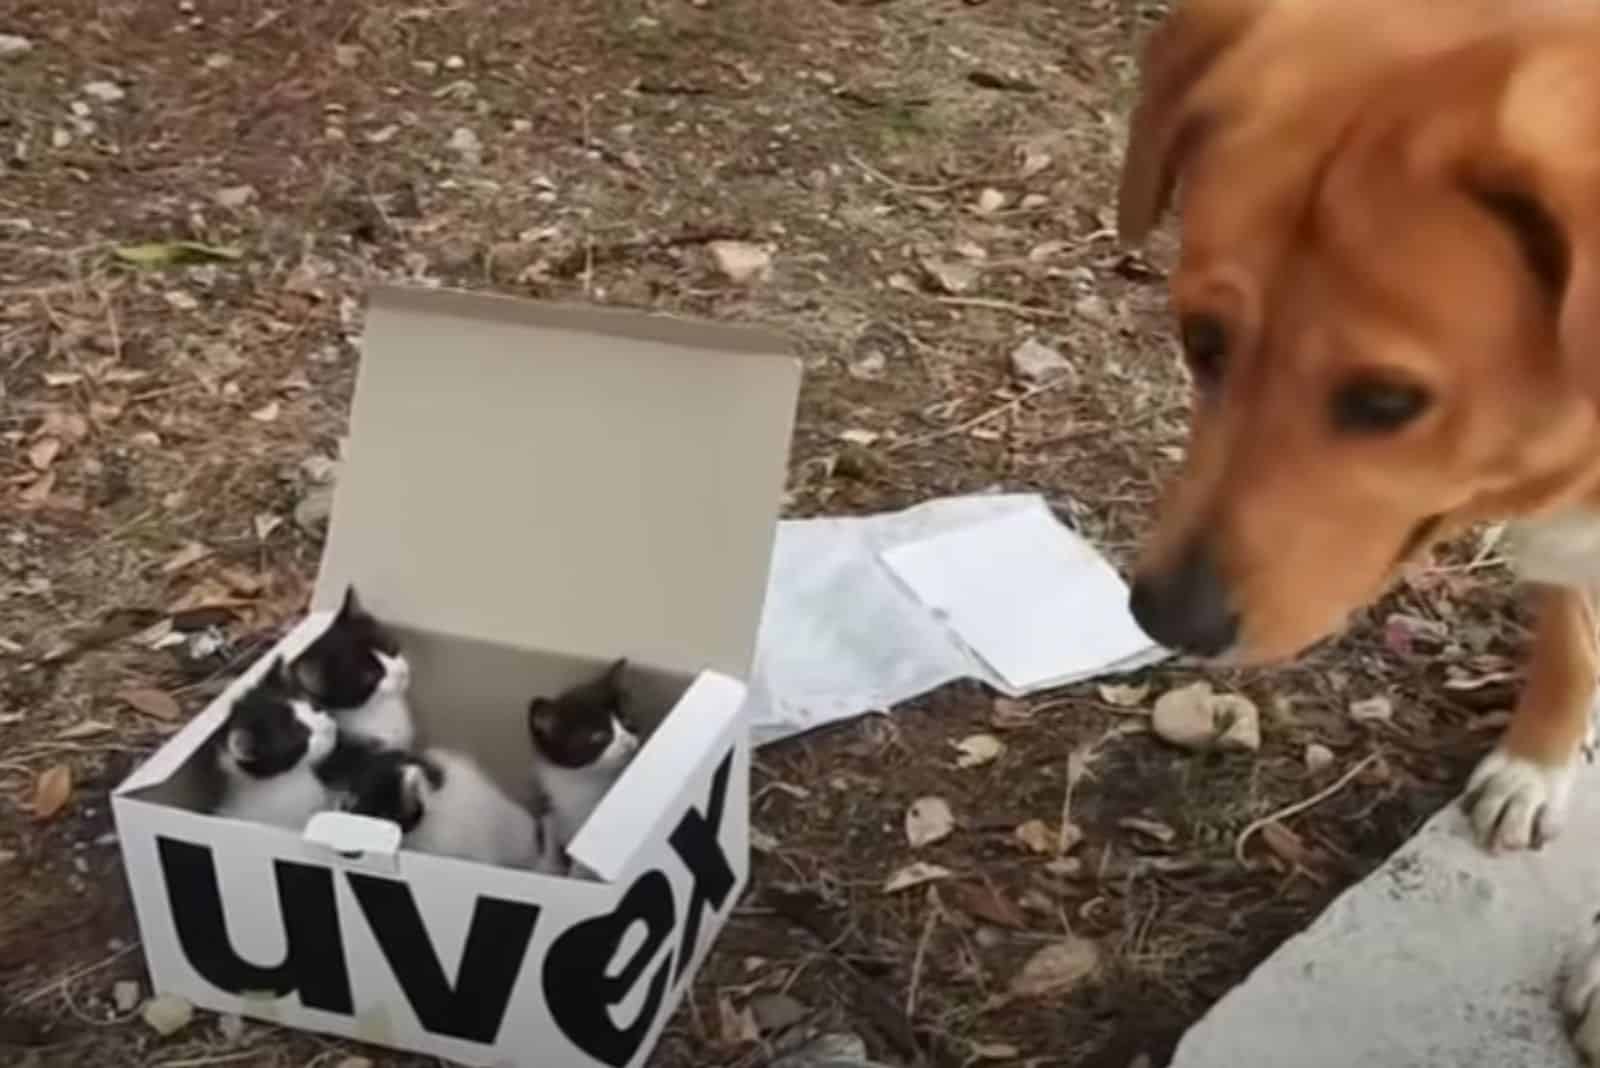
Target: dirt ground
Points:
(933, 180)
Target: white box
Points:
(528, 491)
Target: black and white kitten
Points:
(356, 671)
(445, 804)
(281, 758)
(581, 744)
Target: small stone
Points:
(454, 63)
(465, 142)
(1035, 362)
(951, 277)
(1195, 718)
(105, 92)
(60, 138)
(312, 513)
(1318, 758)
(168, 1014)
(125, 995)
(235, 196)
(990, 201)
(741, 262)
(13, 45)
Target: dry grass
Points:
(200, 404)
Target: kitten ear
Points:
(613, 675)
(352, 608)
(541, 716)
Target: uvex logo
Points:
(582, 982)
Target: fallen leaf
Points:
(994, 1051)
(242, 582)
(84, 729)
(235, 196)
(862, 438)
(52, 792)
(37, 492)
(1372, 710)
(1034, 162)
(1010, 714)
(190, 554)
(61, 424)
(181, 300)
(1035, 362)
(762, 842)
(267, 413)
(738, 1026)
(950, 277)
(915, 874)
(313, 510)
(1124, 696)
(978, 750)
(174, 253)
(775, 1012)
(1057, 968)
(265, 524)
(740, 261)
(1037, 835)
(929, 820)
(152, 703)
(1067, 867)
(988, 903)
(43, 453)
(1153, 829)
(105, 92)
(57, 379)
(1287, 845)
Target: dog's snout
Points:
(1186, 608)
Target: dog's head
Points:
(1388, 295)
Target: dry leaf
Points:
(191, 553)
(1195, 718)
(978, 750)
(86, 729)
(267, 413)
(741, 262)
(1057, 968)
(242, 582)
(1285, 844)
(152, 703)
(1149, 828)
(58, 379)
(862, 438)
(36, 493)
(987, 903)
(265, 524)
(1009, 714)
(52, 792)
(929, 820)
(1037, 835)
(1372, 710)
(994, 1051)
(951, 277)
(67, 425)
(915, 875)
(738, 1026)
(1124, 696)
(43, 453)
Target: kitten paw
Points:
(1516, 803)
(1581, 998)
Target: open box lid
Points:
(589, 481)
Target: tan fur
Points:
(1322, 153)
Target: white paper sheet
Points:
(865, 613)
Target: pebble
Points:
(105, 92)
(740, 261)
(1318, 758)
(1035, 362)
(168, 1014)
(13, 45)
(125, 995)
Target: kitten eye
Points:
(1376, 407)
(1205, 348)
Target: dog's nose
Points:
(1186, 609)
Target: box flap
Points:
(579, 479)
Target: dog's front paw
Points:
(1516, 803)
(1582, 996)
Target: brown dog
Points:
(1389, 298)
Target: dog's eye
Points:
(1377, 407)
(1205, 347)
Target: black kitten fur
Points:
(263, 735)
(340, 670)
(574, 728)
(378, 787)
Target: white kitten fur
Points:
(467, 816)
(386, 717)
(287, 799)
(573, 793)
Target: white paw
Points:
(1516, 803)
(1582, 996)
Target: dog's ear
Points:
(1537, 170)
(1163, 128)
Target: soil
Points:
(933, 180)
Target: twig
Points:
(908, 187)
(1005, 306)
(983, 417)
(1298, 807)
(71, 977)
(922, 951)
(215, 1058)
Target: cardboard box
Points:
(528, 491)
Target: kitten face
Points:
(586, 726)
(395, 786)
(271, 730)
(353, 661)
